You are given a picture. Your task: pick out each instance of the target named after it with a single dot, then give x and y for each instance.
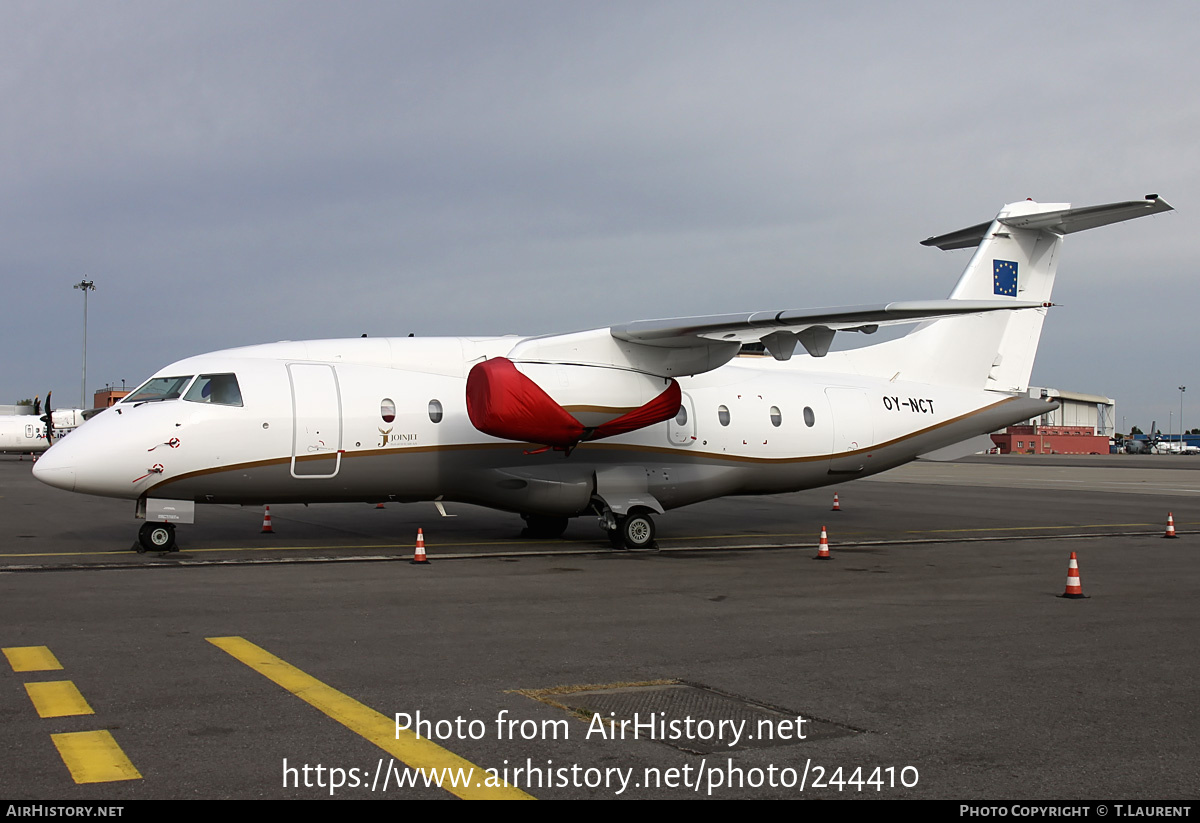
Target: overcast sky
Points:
(230, 173)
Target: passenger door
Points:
(316, 420)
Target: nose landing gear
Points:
(156, 537)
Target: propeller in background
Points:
(47, 418)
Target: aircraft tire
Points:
(157, 537)
(637, 531)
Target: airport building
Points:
(1037, 439)
(108, 396)
(1082, 424)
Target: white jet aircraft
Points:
(624, 422)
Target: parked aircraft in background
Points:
(27, 433)
(622, 422)
(1155, 444)
(1176, 447)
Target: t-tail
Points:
(1016, 257)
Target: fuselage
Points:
(386, 419)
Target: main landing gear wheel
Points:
(636, 531)
(156, 537)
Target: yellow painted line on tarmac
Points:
(731, 536)
(362, 720)
(110, 552)
(57, 698)
(31, 659)
(94, 757)
(1037, 528)
(405, 549)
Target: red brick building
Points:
(107, 397)
(1050, 440)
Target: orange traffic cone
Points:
(1074, 588)
(1170, 526)
(267, 521)
(379, 505)
(837, 507)
(823, 549)
(419, 554)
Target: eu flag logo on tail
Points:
(1004, 277)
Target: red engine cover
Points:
(504, 403)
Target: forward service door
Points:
(316, 420)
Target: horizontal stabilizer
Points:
(967, 238)
(1059, 221)
(1068, 221)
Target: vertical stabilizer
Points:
(1016, 257)
(1009, 263)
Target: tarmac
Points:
(931, 657)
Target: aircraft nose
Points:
(52, 470)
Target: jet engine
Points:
(561, 404)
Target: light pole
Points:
(85, 286)
(1182, 389)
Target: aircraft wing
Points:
(692, 345)
(746, 328)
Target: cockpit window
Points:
(159, 388)
(219, 389)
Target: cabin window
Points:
(723, 415)
(776, 417)
(159, 388)
(218, 389)
(387, 410)
(681, 418)
(809, 418)
(435, 411)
